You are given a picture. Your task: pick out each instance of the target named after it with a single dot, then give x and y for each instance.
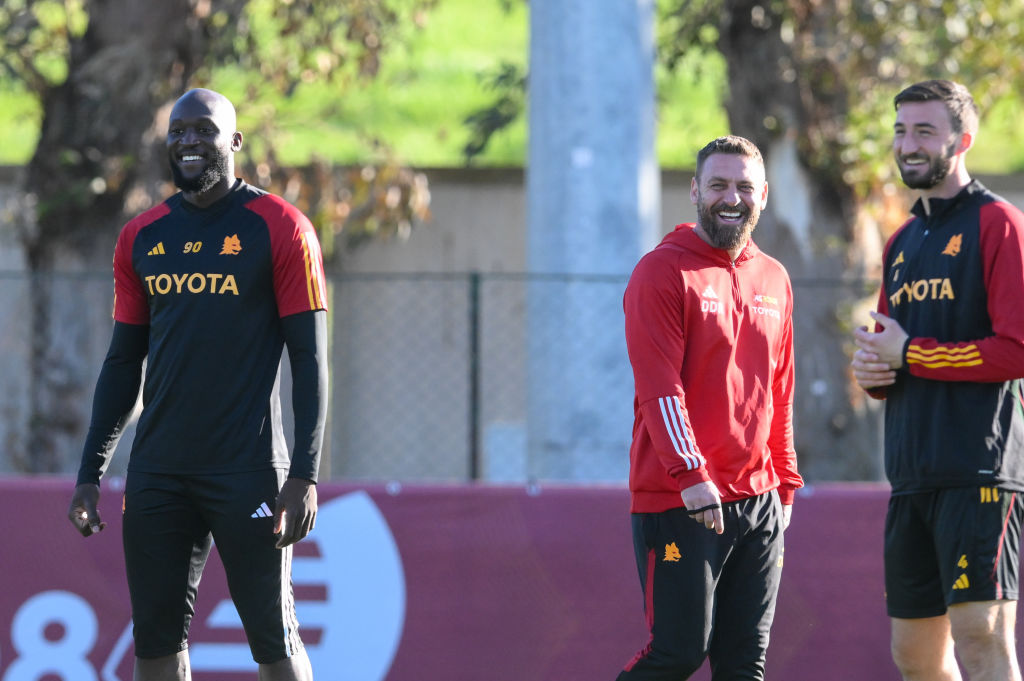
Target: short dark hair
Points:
(730, 144)
(963, 112)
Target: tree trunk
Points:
(133, 58)
(813, 224)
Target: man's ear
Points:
(966, 142)
(236, 141)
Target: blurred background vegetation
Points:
(440, 72)
(348, 104)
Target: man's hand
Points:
(294, 511)
(787, 515)
(886, 345)
(704, 504)
(869, 372)
(82, 513)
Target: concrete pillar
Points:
(593, 192)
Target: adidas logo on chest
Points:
(709, 301)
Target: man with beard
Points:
(209, 286)
(947, 356)
(712, 466)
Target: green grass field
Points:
(427, 87)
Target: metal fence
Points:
(434, 377)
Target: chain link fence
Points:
(505, 378)
(435, 376)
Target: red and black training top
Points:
(954, 280)
(212, 284)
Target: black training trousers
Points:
(708, 595)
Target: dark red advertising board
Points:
(439, 583)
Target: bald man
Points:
(210, 286)
(204, 180)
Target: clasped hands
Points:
(879, 354)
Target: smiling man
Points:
(209, 287)
(947, 356)
(713, 470)
(202, 164)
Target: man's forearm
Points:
(117, 390)
(306, 337)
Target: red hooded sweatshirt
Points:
(711, 344)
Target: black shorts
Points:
(949, 546)
(169, 521)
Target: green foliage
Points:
(302, 41)
(875, 48)
(20, 117)
(350, 205)
(269, 50)
(36, 35)
(509, 84)
(448, 75)
(689, 105)
(413, 109)
(428, 79)
(888, 45)
(686, 28)
(690, 110)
